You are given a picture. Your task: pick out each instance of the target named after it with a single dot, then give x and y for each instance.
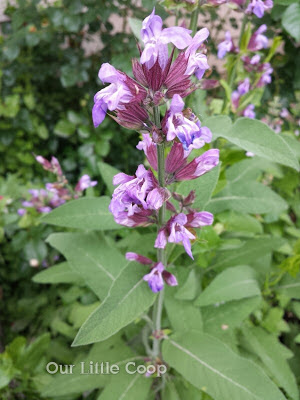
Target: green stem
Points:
(158, 306)
(194, 17)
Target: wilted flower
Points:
(52, 166)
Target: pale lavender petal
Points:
(177, 35)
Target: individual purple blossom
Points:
(84, 183)
(156, 40)
(188, 130)
(111, 97)
(284, 113)
(244, 87)
(258, 7)
(21, 211)
(226, 46)
(265, 78)
(197, 62)
(136, 197)
(176, 229)
(249, 111)
(258, 41)
(158, 274)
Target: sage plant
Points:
(168, 140)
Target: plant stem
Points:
(194, 18)
(158, 306)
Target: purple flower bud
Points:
(44, 209)
(176, 159)
(84, 183)
(138, 258)
(45, 163)
(169, 278)
(258, 41)
(249, 111)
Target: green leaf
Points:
(114, 350)
(289, 286)
(136, 26)
(234, 222)
(214, 368)
(203, 187)
(108, 172)
(226, 317)
(255, 136)
(219, 125)
(88, 213)
(64, 128)
(247, 197)
(231, 284)
(265, 347)
(93, 259)
(290, 21)
(189, 289)
(128, 298)
(170, 392)
(183, 315)
(59, 273)
(124, 386)
(247, 252)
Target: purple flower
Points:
(258, 7)
(225, 46)
(136, 197)
(199, 166)
(188, 130)
(197, 62)
(284, 113)
(244, 87)
(149, 148)
(156, 40)
(111, 97)
(21, 211)
(249, 111)
(84, 183)
(258, 41)
(157, 274)
(265, 79)
(176, 229)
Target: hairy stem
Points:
(161, 256)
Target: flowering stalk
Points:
(142, 199)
